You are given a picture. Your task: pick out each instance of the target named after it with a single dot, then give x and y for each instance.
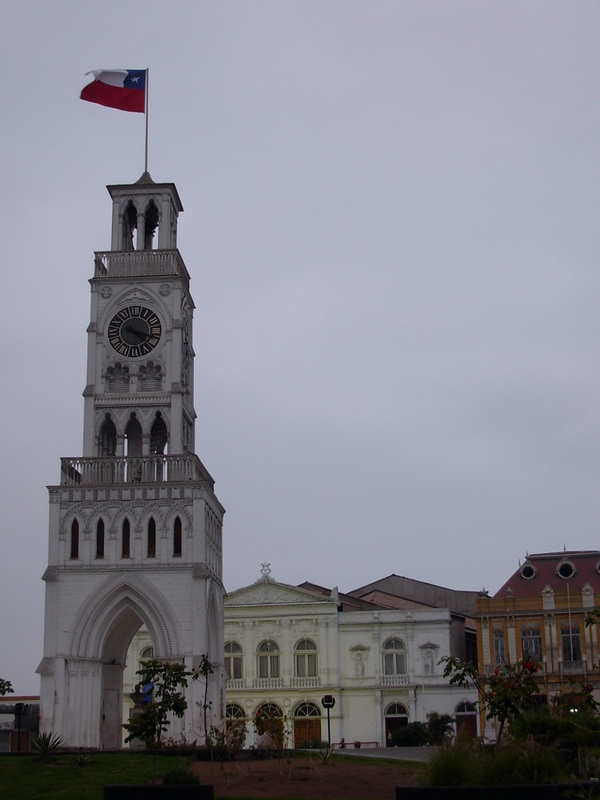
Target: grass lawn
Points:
(25, 778)
(302, 777)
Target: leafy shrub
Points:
(180, 776)
(475, 765)
(414, 734)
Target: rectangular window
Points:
(531, 644)
(268, 666)
(233, 666)
(499, 652)
(571, 643)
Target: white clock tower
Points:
(135, 533)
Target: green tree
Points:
(504, 694)
(169, 680)
(5, 687)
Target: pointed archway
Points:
(103, 631)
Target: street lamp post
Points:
(328, 702)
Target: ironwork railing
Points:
(135, 263)
(135, 469)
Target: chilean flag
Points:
(124, 89)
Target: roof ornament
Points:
(265, 570)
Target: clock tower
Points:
(135, 533)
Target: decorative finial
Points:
(265, 570)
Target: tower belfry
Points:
(135, 533)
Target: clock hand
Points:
(140, 334)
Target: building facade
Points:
(539, 614)
(287, 647)
(135, 526)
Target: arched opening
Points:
(307, 725)
(465, 715)
(133, 438)
(107, 441)
(158, 436)
(151, 220)
(129, 227)
(396, 716)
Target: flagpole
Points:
(147, 93)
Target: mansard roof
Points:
(574, 568)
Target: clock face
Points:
(134, 331)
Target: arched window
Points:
(74, 539)
(234, 711)
(234, 660)
(394, 657)
(177, 537)
(151, 220)
(305, 659)
(465, 715)
(151, 538)
(268, 660)
(125, 539)
(146, 654)
(100, 539)
(307, 710)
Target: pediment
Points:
(266, 592)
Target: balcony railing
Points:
(306, 682)
(572, 666)
(137, 263)
(137, 469)
(268, 683)
(235, 683)
(490, 668)
(394, 680)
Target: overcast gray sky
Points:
(391, 223)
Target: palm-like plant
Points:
(46, 745)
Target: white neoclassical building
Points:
(375, 651)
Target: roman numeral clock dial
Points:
(134, 331)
